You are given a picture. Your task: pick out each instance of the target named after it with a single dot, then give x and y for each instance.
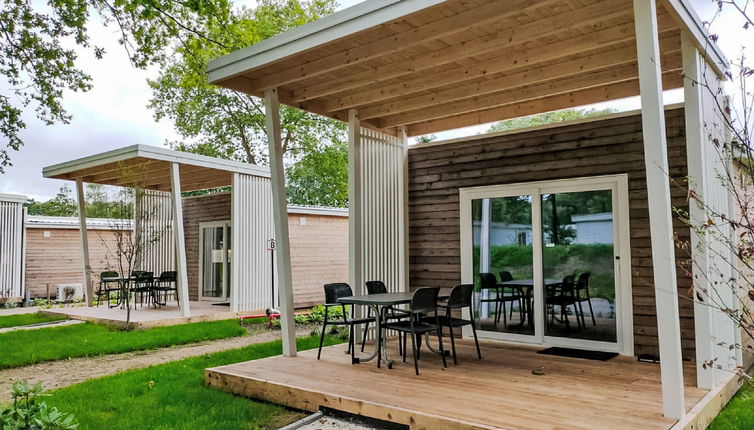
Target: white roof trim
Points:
(695, 26)
(348, 21)
(13, 198)
(154, 153)
(316, 210)
(63, 222)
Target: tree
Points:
(38, 42)
(100, 202)
(229, 124)
(547, 118)
(320, 177)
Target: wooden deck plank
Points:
(500, 391)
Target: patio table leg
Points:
(357, 360)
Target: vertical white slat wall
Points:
(383, 214)
(718, 197)
(157, 236)
(251, 227)
(11, 248)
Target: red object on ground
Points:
(271, 316)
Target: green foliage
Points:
(101, 202)
(38, 42)
(55, 343)
(228, 124)
(737, 414)
(28, 412)
(26, 319)
(320, 177)
(547, 118)
(173, 396)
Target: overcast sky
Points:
(115, 114)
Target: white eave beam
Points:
(348, 21)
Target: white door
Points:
(214, 260)
(546, 262)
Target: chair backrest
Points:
(169, 276)
(109, 274)
(583, 282)
(376, 287)
(425, 300)
(505, 276)
(335, 291)
(487, 280)
(142, 276)
(568, 284)
(460, 296)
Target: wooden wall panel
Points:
(58, 259)
(602, 147)
(319, 249)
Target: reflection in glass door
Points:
(544, 260)
(503, 260)
(214, 261)
(578, 264)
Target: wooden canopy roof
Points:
(433, 65)
(148, 167)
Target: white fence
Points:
(155, 224)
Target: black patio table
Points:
(378, 303)
(121, 281)
(526, 286)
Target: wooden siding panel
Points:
(602, 147)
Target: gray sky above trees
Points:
(114, 113)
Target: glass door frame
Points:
(618, 184)
(226, 225)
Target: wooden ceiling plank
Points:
(491, 42)
(528, 76)
(544, 89)
(522, 59)
(447, 26)
(561, 101)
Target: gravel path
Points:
(62, 373)
(328, 423)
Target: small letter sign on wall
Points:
(271, 245)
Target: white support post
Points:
(404, 212)
(704, 340)
(180, 241)
(355, 206)
(138, 228)
(660, 209)
(88, 286)
(235, 215)
(280, 215)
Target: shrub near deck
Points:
(173, 396)
(26, 319)
(28, 347)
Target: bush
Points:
(28, 412)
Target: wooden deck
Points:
(513, 387)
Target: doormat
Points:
(221, 304)
(579, 353)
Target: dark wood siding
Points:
(603, 147)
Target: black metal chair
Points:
(563, 295)
(143, 282)
(166, 283)
(489, 282)
(423, 302)
(105, 287)
(582, 284)
(379, 287)
(460, 298)
(333, 292)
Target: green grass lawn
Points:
(26, 319)
(173, 396)
(25, 347)
(738, 413)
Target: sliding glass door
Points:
(214, 260)
(545, 261)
